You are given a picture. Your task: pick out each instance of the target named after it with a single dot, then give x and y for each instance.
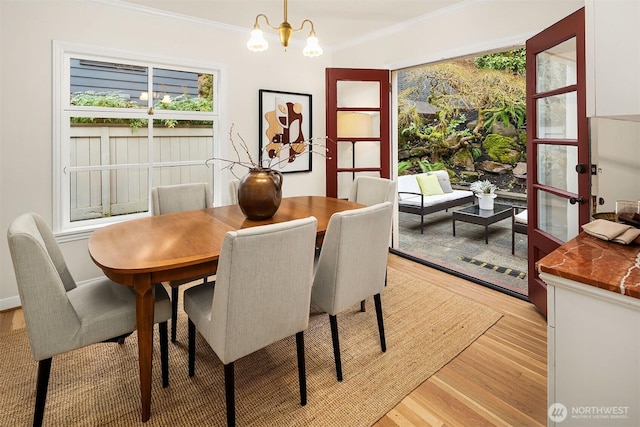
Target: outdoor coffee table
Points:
(475, 215)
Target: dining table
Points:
(150, 250)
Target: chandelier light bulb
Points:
(257, 42)
(312, 49)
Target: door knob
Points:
(580, 168)
(574, 200)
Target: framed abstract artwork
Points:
(285, 131)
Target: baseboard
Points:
(9, 303)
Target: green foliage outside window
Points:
(514, 61)
(463, 101)
(117, 100)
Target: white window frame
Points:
(63, 111)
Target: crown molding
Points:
(477, 49)
(412, 22)
(170, 15)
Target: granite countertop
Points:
(589, 260)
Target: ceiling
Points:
(336, 21)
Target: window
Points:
(124, 123)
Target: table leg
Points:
(486, 234)
(454, 228)
(144, 318)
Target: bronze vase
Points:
(260, 193)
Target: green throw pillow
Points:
(429, 185)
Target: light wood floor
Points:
(500, 379)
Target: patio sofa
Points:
(421, 195)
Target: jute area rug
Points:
(425, 325)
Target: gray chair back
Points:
(263, 287)
(59, 315)
(369, 190)
(43, 280)
(353, 259)
(181, 197)
(233, 191)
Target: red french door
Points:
(558, 167)
(358, 123)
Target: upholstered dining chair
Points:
(371, 190)
(61, 316)
(255, 301)
(178, 198)
(352, 266)
(518, 225)
(233, 191)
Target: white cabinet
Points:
(613, 58)
(593, 355)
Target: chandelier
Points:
(257, 42)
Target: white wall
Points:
(471, 27)
(27, 30)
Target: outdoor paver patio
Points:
(438, 246)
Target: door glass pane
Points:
(366, 155)
(345, 154)
(345, 179)
(358, 124)
(107, 84)
(352, 94)
(557, 216)
(558, 116)
(556, 67)
(556, 166)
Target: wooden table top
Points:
(186, 239)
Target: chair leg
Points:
(192, 347)
(174, 312)
(119, 339)
(333, 321)
(44, 369)
(164, 352)
(378, 302)
(302, 372)
(363, 308)
(230, 394)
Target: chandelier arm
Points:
(302, 26)
(256, 25)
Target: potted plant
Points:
(485, 191)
